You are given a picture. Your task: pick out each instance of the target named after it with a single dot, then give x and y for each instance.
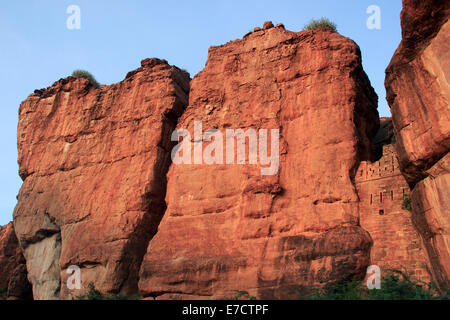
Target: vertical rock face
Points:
(13, 272)
(418, 92)
(383, 191)
(228, 227)
(94, 161)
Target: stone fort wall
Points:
(382, 189)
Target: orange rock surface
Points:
(100, 191)
(227, 227)
(418, 92)
(13, 272)
(93, 161)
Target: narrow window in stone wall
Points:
(403, 194)
(371, 198)
(392, 195)
(381, 197)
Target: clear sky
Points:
(37, 48)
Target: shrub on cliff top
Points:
(87, 75)
(321, 23)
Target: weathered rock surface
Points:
(93, 161)
(227, 227)
(13, 273)
(418, 92)
(382, 190)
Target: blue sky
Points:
(37, 48)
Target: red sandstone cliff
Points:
(229, 228)
(418, 92)
(94, 162)
(13, 272)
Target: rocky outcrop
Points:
(230, 227)
(13, 272)
(328, 202)
(94, 162)
(384, 212)
(418, 92)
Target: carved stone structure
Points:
(382, 190)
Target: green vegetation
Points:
(344, 290)
(320, 23)
(87, 75)
(94, 294)
(396, 285)
(3, 292)
(393, 139)
(242, 295)
(406, 205)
